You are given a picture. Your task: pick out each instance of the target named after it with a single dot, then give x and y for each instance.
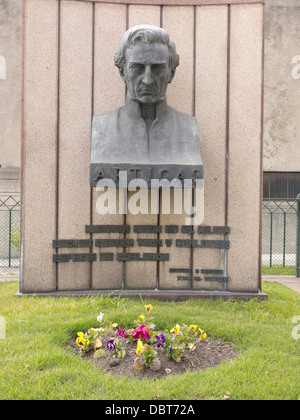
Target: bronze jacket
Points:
(121, 136)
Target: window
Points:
(281, 185)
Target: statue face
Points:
(147, 72)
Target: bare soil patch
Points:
(207, 354)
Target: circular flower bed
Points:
(144, 352)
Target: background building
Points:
(10, 93)
(282, 99)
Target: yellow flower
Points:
(80, 334)
(80, 341)
(203, 335)
(193, 328)
(148, 308)
(140, 347)
(176, 329)
(142, 317)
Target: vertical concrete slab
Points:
(179, 23)
(177, 272)
(135, 271)
(107, 275)
(135, 277)
(245, 146)
(109, 88)
(39, 145)
(141, 15)
(74, 199)
(109, 94)
(211, 102)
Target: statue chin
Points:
(138, 101)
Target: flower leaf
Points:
(148, 348)
(192, 347)
(155, 365)
(99, 354)
(138, 364)
(97, 344)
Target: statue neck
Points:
(148, 111)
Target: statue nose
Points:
(147, 79)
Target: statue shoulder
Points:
(101, 121)
(183, 117)
(185, 121)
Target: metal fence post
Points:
(284, 240)
(298, 239)
(9, 230)
(9, 239)
(271, 240)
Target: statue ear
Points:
(122, 73)
(172, 74)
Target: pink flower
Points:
(141, 332)
(122, 333)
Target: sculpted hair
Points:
(148, 34)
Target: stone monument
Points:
(129, 198)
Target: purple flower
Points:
(110, 345)
(161, 339)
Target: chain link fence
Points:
(280, 238)
(9, 234)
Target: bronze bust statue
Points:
(146, 130)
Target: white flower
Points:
(100, 317)
(100, 330)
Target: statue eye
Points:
(137, 68)
(157, 68)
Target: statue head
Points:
(147, 62)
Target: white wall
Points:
(282, 86)
(10, 93)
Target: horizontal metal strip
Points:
(175, 2)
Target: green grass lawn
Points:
(37, 361)
(278, 270)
